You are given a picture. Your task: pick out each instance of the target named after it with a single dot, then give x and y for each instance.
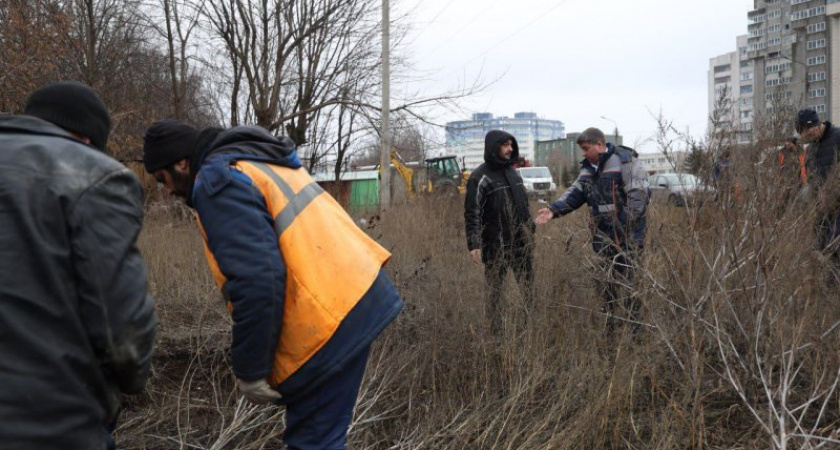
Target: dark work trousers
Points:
(319, 420)
(828, 235)
(617, 287)
(521, 261)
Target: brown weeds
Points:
(738, 350)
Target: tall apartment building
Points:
(731, 91)
(793, 56)
(466, 138)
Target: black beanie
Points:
(167, 142)
(74, 107)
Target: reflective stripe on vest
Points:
(297, 202)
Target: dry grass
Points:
(739, 348)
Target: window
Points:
(746, 101)
(796, 2)
(777, 81)
(746, 114)
(816, 60)
(722, 68)
(746, 76)
(816, 27)
(777, 41)
(748, 89)
(816, 93)
(774, 14)
(806, 13)
(817, 43)
(745, 64)
(819, 108)
(819, 76)
(773, 68)
(778, 96)
(720, 80)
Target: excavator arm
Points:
(406, 173)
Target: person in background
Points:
(824, 143)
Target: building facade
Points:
(563, 156)
(731, 89)
(659, 163)
(792, 60)
(466, 138)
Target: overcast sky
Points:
(576, 60)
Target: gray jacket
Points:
(76, 323)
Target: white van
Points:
(538, 181)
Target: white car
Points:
(538, 181)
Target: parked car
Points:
(538, 181)
(677, 189)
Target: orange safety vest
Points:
(330, 262)
(803, 174)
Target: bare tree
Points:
(180, 21)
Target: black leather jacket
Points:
(822, 155)
(76, 323)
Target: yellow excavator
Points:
(438, 176)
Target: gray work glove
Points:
(257, 391)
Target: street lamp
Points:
(615, 132)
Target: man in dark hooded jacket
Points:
(303, 283)
(500, 232)
(76, 324)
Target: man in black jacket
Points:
(824, 144)
(500, 232)
(76, 322)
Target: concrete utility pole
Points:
(384, 132)
(615, 131)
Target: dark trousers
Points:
(828, 236)
(319, 420)
(521, 262)
(616, 285)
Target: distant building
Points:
(731, 90)
(561, 155)
(466, 138)
(657, 163)
(791, 57)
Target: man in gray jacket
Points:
(613, 185)
(76, 323)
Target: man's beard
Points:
(180, 183)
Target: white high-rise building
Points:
(466, 138)
(792, 54)
(731, 91)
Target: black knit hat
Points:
(74, 107)
(807, 118)
(166, 142)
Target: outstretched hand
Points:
(475, 255)
(543, 216)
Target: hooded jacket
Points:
(616, 193)
(231, 196)
(496, 212)
(76, 322)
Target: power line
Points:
(511, 35)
